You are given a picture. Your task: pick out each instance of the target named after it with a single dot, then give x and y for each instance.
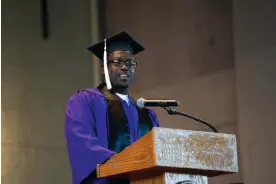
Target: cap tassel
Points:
(106, 73)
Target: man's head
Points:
(121, 63)
(121, 67)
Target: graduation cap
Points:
(119, 41)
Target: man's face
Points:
(121, 66)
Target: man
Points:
(102, 121)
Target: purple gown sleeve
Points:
(84, 148)
(154, 118)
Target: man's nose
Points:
(124, 67)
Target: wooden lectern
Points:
(174, 156)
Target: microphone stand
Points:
(172, 111)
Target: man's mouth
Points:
(124, 76)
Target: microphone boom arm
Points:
(172, 111)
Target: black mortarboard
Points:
(119, 41)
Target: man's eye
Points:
(117, 61)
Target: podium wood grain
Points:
(130, 159)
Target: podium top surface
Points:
(195, 149)
(166, 149)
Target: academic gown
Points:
(86, 126)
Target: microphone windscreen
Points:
(140, 102)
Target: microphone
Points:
(167, 104)
(141, 102)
